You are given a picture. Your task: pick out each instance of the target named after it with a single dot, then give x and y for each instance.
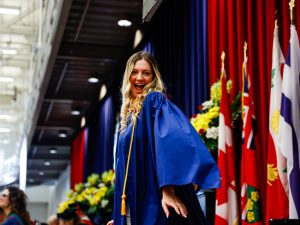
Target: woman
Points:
(13, 203)
(159, 155)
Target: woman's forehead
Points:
(5, 191)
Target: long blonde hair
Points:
(155, 85)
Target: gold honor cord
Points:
(123, 205)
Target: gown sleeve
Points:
(180, 154)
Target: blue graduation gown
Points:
(166, 150)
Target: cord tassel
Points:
(123, 206)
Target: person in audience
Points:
(159, 154)
(73, 216)
(53, 220)
(13, 207)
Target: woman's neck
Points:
(7, 211)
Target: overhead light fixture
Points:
(41, 173)
(47, 163)
(62, 134)
(7, 79)
(75, 112)
(53, 151)
(93, 80)
(124, 23)
(103, 91)
(9, 51)
(4, 130)
(4, 141)
(83, 121)
(5, 117)
(10, 10)
(137, 38)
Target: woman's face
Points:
(141, 76)
(4, 199)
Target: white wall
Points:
(59, 191)
(38, 211)
(44, 199)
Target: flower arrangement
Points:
(206, 122)
(95, 197)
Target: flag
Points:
(277, 184)
(250, 193)
(226, 196)
(289, 128)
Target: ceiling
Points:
(84, 41)
(87, 43)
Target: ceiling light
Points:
(103, 91)
(9, 51)
(62, 134)
(75, 112)
(5, 117)
(53, 151)
(9, 10)
(6, 79)
(124, 23)
(82, 123)
(47, 163)
(4, 141)
(4, 130)
(93, 80)
(41, 173)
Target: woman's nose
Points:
(139, 76)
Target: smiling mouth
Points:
(139, 87)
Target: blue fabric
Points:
(177, 38)
(166, 151)
(98, 155)
(13, 219)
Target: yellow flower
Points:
(249, 204)
(229, 86)
(79, 187)
(275, 121)
(254, 196)
(250, 216)
(108, 176)
(80, 198)
(93, 179)
(272, 173)
(90, 190)
(215, 92)
(62, 207)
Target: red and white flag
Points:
(250, 193)
(226, 196)
(277, 187)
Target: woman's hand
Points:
(169, 199)
(110, 222)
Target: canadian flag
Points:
(226, 196)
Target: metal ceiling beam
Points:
(55, 128)
(51, 157)
(17, 30)
(70, 50)
(24, 14)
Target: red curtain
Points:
(77, 158)
(230, 24)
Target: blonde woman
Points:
(159, 155)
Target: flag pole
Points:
(243, 77)
(223, 64)
(292, 5)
